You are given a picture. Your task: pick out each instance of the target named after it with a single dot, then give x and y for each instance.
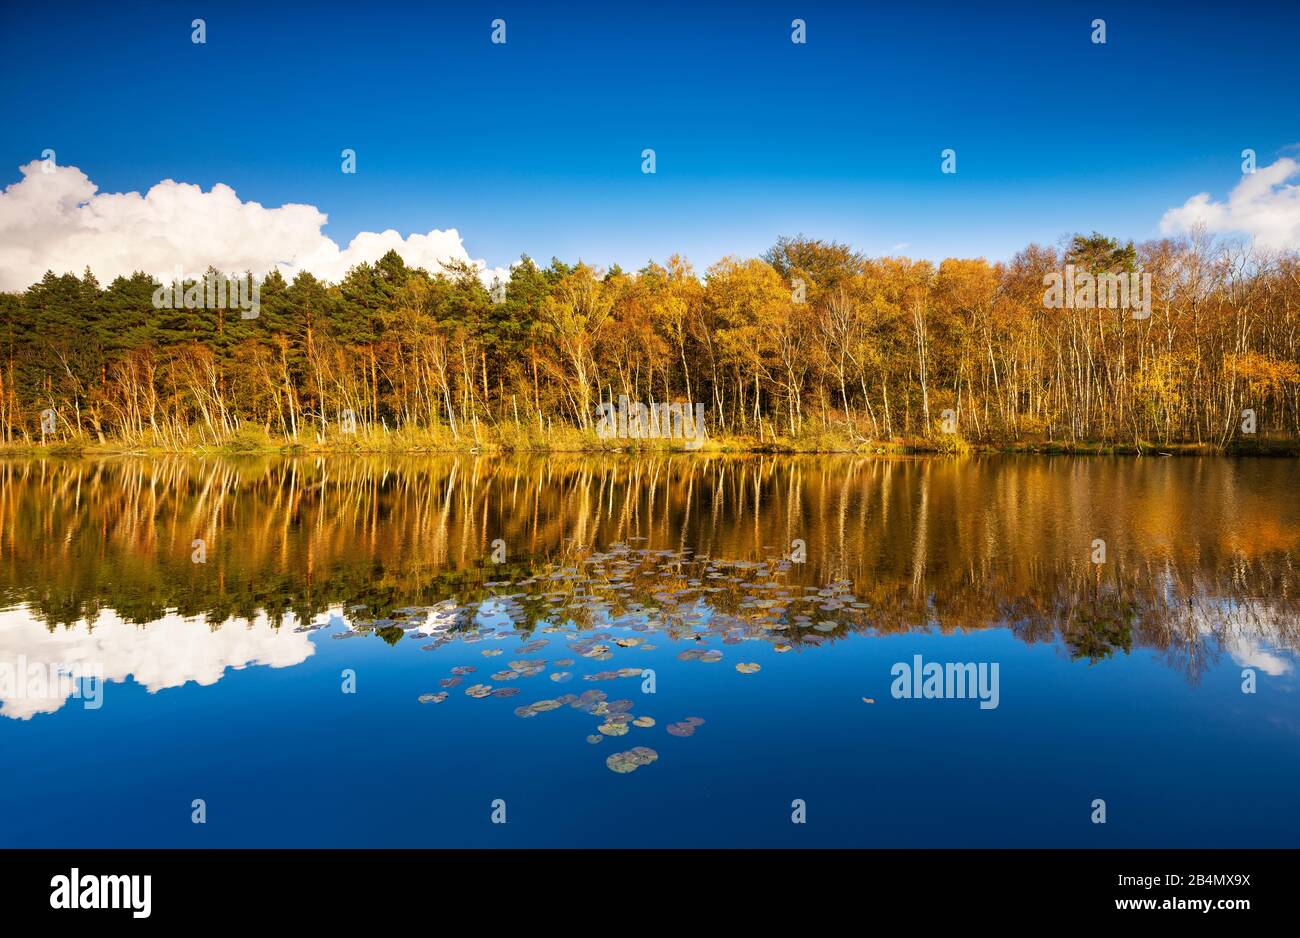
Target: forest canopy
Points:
(811, 338)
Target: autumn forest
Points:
(812, 346)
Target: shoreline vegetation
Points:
(573, 441)
(812, 348)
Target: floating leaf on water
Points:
(525, 712)
(543, 705)
(693, 721)
(748, 667)
(644, 722)
(463, 669)
(594, 738)
(680, 729)
(491, 652)
(619, 763)
(613, 729)
(478, 690)
(505, 691)
(868, 700)
(449, 681)
(561, 676)
(429, 698)
(642, 755)
(564, 662)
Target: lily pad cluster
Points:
(606, 605)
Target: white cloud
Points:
(1262, 206)
(167, 653)
(59, 221)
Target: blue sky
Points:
(534, 146)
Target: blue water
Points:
(282, 757)
(254, 721)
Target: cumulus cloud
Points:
(59, 220)
(168, 653)
(1263, 205)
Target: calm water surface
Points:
(663, 652)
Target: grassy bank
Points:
(514, 439)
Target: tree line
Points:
(812, 339)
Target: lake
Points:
(684, 650)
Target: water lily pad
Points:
(631, 760)
(644, 722)
(619, 763)
(478, 690)
(560, 677)
(449, 681)
(544, 705)
(613, 729)
(594, 738)
(748, 667)
(505, 691)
